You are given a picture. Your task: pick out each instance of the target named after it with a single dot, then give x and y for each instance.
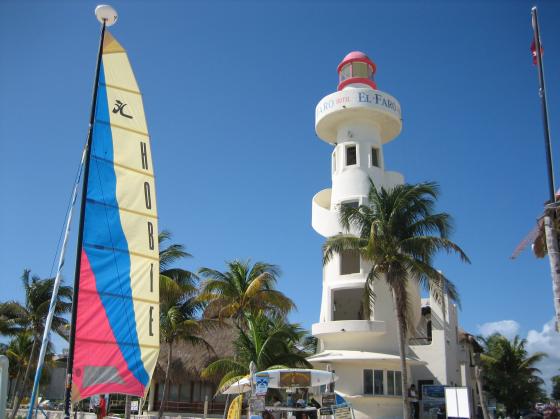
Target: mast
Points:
(107, 16)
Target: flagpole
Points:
(551, 235)
(107, 16)
(544, 106)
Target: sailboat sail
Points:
(117, 322)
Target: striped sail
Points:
(117, 324)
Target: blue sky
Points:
(230, 90)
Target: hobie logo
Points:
(119, 108)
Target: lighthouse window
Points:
(348, 304)
(346, 72)
(351, 204)
(360, 70)
(375, 157)
(351, 155)
(334, 162)
(349, 262)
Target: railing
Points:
(214, 407)
(356, 326)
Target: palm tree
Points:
(18, 351)
(179, 321)
(10, 323)
(32, 314)
(510, 373)
(268, 342)
(179, 305)
(310, 345)
(399, 233)
(243, 290)
(555, 394)
(168, 256)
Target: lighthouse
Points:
(357, 336)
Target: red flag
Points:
(534, 51)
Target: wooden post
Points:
(127, 407)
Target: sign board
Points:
(432, 409)
(457, 402)
(433, 392)
(343, 413)
(295, 379)
(261, 384)
(351, 98)
(325, 411)
(134, 406)
(432, 404)
(328, 399)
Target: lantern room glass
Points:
(361, 70)
(346, 72)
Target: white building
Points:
(357, 120)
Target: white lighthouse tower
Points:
(362, 349)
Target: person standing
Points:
(413, 398)
(102, 407)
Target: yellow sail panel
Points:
(117, 330)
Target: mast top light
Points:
(106, 13)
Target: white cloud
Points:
(548, 341)
(508, 328)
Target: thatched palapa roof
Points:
(189, 361)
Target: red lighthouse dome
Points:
(356, 68)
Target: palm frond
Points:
(339, 243)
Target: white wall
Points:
(350, 382)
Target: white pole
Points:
(57, 281)
(4, 365)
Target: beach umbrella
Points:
(238, 387)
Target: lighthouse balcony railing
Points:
(348, 326)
